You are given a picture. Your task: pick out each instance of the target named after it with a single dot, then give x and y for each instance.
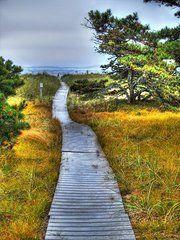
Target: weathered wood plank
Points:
(87, 204)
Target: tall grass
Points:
(141, 143)
(30, 89)
(29, 171)
(143, 150)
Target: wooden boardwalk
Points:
(87, 204)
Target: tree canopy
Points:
(168, 3)
(11, 117)
(9, 77)
(138, 56)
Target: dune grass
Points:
(143, 150)
(29, 172)
(30, 89)
(141, 143)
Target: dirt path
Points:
(87, 204)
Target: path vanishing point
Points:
(87, 204)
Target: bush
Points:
(85, 86)
(11, 121)
(9, 77)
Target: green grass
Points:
(30, 89)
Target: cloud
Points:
(49, 32)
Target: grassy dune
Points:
(141, 143)
(29, 172)
(142, 149)
(30, 89)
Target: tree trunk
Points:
(132, 95)
(139, 96)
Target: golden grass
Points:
(142, 146)
(15, 100)
(28, 175)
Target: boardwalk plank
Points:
(87, 204)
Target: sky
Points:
(50, 32)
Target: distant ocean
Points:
(61, 70)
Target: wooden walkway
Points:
(87, 204)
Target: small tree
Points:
(11, 118)
(11, 121)
(9, 77)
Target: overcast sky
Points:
(49, 32)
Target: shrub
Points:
(9, 77)
(11, 121)
(86, 86)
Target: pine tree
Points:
(168, 3)
(9, 77)
(137, 55)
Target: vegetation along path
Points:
(87, 203)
